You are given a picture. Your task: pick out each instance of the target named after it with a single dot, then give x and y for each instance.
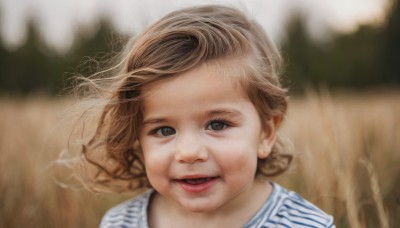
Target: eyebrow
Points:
(151, 121)
(228, 112)
(225, 112)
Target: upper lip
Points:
(195, 176)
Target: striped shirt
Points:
(283, 208)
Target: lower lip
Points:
(198, 188)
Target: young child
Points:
(192, 117)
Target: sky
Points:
(59, 20)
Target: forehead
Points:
(220, 72)
(208, 84)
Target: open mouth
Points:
(197, 184)
(196, 181)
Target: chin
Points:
(204, 208)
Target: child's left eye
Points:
(217, 125)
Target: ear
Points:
(268, 136)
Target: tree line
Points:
(368, 57)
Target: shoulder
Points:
(131, 213)
(289, 209)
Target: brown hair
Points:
(175, 44)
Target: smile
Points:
(196, 184)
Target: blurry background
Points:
(342, 65)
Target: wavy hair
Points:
(178, 42)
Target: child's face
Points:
(201, 138)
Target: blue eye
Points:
(165, 131)
(217, 125)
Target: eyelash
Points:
(222, 121)
(226, 123)
(155, 130)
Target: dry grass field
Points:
(347, 161)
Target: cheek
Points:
(155, 159)
(238, 157)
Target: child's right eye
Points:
(164, 131)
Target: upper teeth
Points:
(197, 180)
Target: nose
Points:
(190, 149)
